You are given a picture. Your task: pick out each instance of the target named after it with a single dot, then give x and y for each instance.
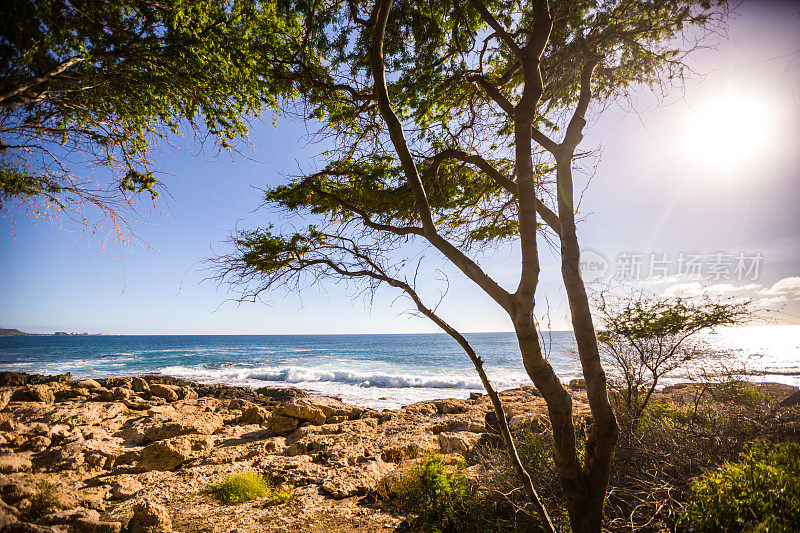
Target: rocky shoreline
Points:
(137, 454)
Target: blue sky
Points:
(653, 192)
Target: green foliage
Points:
(44, 501)
(433, 489)
(761, 492)
(643, 318)
(247, 486)
(433, 53)
(739, 393)
(105, 77)
(644, 336)
(14, 184)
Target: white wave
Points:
(299, 375)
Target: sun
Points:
(727, 135)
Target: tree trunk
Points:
(602, 437)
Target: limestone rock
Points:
(282, 425)
(332, 407)
(5, 397)
(353, 481)
(170, 453)
(282, 393)
(254, 415)
(149, 517)
(171, 393)
(140, 385)
(450, 406)
(69, 516)
(458, 441)
(97, 526)
(14, 463)
(87, 384)
(181, 423)
(301, 409)
(67, 457)
(11, 524)
(34, 393)
(577, 384)
(125, 487)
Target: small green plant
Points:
(739, 393)
(759, 493)
(45, 501)
(433, 489)
(247, 486)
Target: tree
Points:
(457, 124)
(645, 336)
(91, 83)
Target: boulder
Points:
(171, 393)
(451, 406)
(70, 456)
(149, 517)
(282, 425)
(38, 443)
(281, 394)
(14, 463)
(577, 384)
(87, 384)
(170, 453)
(140, 385)
(119, 394)
(536, 423)
(301, 409)
(188, 393)
(125, 487)
(34, 393)
(458, 441)
(254, 415)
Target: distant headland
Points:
(11, 332)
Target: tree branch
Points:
(497, 27)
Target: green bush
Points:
(739, 393)
(45, 501)
(759, 493)
(433, 489)
(248, 486)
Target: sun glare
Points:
(726, 136)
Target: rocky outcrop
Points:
(170, 453)
(149, 517)
(142, 451)
(34, 393)
(168, 425)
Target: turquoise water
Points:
(375, 370)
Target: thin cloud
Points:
(786, 286)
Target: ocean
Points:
(380, 371)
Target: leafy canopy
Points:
(439, 58)
(93, 82)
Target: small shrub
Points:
(759, 493)
(45, 500)
(739, 393)
(248, 486)
(433, 489)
